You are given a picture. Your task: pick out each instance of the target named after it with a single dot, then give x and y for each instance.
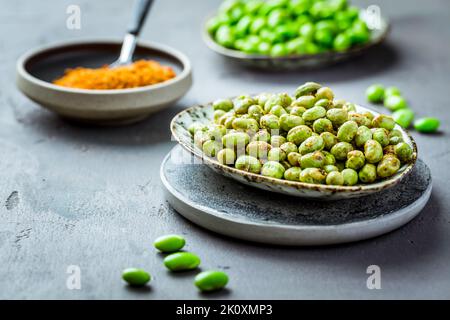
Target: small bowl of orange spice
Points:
(74, 80)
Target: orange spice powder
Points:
(138, 74)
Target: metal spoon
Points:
(141, 9)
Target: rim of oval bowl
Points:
(378, 186)
(181, 57)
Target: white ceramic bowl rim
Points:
(146, 44)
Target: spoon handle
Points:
(140, 12)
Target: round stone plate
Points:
(219, 204)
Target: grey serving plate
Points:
(297, 61)
(220, 205)
(203, 113)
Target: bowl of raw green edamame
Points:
(308, 144)
(290, 34)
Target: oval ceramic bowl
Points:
(298, 61)
(38, 68)
(204, 113)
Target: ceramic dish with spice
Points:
(203, 114)
(55, 77)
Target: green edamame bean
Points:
(350, 177)
(256, 112)
(270, 122)
(211, 148)
(373, 151)
(288, 147)
(218, 114)
(362, 136)
(349, 107)
(395, 102)
(261, 135)
(287, 121)
(383, 121)
(277, 141)
(347, 131)
(329, 140)
(329, 158)
(381, 135)
(299, 134)
(360, 119)
(335, 178)
(278, 110)
(223, 104)
(226, 156)
(241, 104)
(322, 125)
(368, 173)
(330, 168)
(181, 261)
(282, 99)
(248, 163)
(403, 117)
(293, 174)
(306, 102)
(294, 159)
(235, 140)
(276, 154)
(355, 160)
(337, 116)
(403, 151)
(196, 126)
(388, 166)
(216, 131)
(314, 113)
(169, 243)
(313, 143)
(427, 125)
(389, 149)
(258, 149)
(392, 91)
(313, 175)
(273, 169)
(228, 121)
(245, 124)
(340, 150)
(307, 89)
(136, 277)
(262, 98)
(325, 93)
(297, 111)
(200, 137)
(312, 160)
(325, 103)
(211, 280)
(375, 93)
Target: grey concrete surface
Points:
(91, 197)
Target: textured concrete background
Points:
(92, 197)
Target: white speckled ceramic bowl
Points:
(38, 68)
(204, 113)
(297, 61)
